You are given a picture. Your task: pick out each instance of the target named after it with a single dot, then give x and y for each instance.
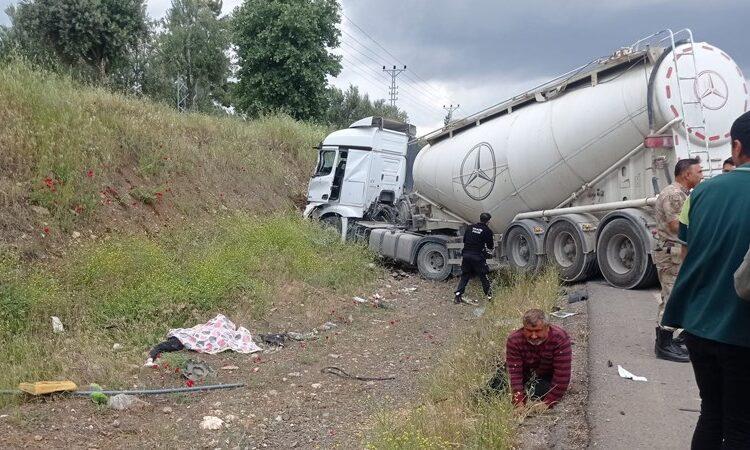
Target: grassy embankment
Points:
(125, 218)
(452, 415)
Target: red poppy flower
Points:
(46, 230)
(189, 383)
(90, 173)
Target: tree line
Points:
(268, 56)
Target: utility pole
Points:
(393, 91)
(182, 94)
(449, 115)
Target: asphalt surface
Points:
(626, 414)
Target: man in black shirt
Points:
(478, 246)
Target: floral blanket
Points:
(215, 336)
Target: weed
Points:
(453, 413)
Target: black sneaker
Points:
(457, 299)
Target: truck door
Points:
(322, 180)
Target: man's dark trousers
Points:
(474, 265)
(725, 415)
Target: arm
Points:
(489, 240)
(514, 364)
(683, 223)
(561, 366)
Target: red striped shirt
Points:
(552, 360)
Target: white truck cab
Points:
(359, 167)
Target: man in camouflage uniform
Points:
(667, 255)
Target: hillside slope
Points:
(79, 159)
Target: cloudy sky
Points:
(478, 52)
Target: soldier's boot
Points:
(665, 348)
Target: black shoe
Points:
(457, 299)
(666, 349)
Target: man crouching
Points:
(538, 361)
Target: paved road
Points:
(626, 414)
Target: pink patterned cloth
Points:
(215, 336)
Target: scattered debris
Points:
(211, 423)
(316, 385)
(99, 398)
(57, 326)
(359, 300)
(578, 296)
(328, 326)
(371, 265)
(275, 339)
(625, 374)
(230, 368)
(339, 372)
(122, 402)
(303, 336)
(409, 289)
(47, 387)
(166, 410)
(215, 336)
(609, 363)
(196, 370)
(563, 314)
(116, 347)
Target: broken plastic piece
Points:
(625, 374)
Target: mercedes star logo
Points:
(478, 171)
(711, 89)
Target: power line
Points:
(384, 49)
(434, 96)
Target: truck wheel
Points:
(332, 221)
(622, 256)
(564, 248)
(520, 249)
(432, 261)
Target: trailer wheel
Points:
(520, 248)
(622, 256)
(564, 248)
(432, 261)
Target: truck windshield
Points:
(325, 162)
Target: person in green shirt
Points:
(715, 226)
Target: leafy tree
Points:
(193, 47)
(284, 59)
(83, 34)
(346, 107)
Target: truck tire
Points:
(521, 251)
(432, 261)
(332, 221)
(622, 256)
(564, 249)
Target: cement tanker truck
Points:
(569, 170)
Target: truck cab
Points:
(359, 168)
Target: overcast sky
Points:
(479, 52)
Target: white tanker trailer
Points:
(568, 170)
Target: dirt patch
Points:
(566, 425)
(288, 402)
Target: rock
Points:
(41, 210)
(278, 419)
(116, 347)
(334, 356)
(294, 374)
(273, 392)
(328, 326)
(76, 235)
(316, 385)
(230, 418)
(377, 296)
(371, 265)
(166, 410)
(302, 336)
(57, 326)
(122, 402)
(38, 438)
(211, 423)
(359, 300)
(230, 368)
(116, 424)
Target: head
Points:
(740, 135)
(485, 217)
(688, 172)
(535, 326)
(728, 165)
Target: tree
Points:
(192, 47)
(83, 34)
(348, 107)
(283, 55)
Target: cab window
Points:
(325, 163)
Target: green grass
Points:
(131, 290)
(75, 149)
(452, 414)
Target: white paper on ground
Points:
(563, 314)
(625, 374)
